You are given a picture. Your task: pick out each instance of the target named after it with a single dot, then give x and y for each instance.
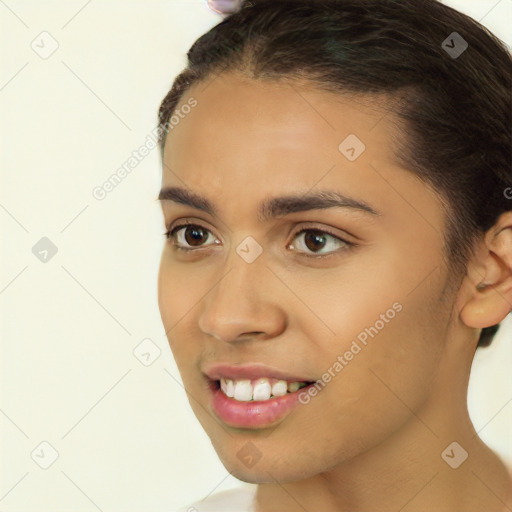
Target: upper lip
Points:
(250, 371)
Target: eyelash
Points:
(169, 235)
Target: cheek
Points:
(376, 392)
(386, 365)
(383, 344)
(181, 289)
(166, 295)
(174, 299)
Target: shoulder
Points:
(240, 499)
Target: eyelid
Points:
(342, 235)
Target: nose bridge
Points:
(240, 302)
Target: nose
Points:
(245, 303)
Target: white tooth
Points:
(279, 388)
(261, 389)
(293, 386)
(243, 390)
(230, 388)
(223, 385)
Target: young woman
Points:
(337, 191)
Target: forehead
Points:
(251, 124)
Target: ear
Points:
(490, 277)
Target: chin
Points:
(270, 469)
(264, 475)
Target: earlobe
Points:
(491, 298)
(488, 307)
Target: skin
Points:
(372, 438)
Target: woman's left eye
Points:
(189, 237)
(318, 239)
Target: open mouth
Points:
(257, 402)
(262, 389)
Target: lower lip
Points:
(254, 413)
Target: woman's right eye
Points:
(188, 237)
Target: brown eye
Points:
(315, 240)
(194, 236)
(187, 237)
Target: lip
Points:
(251, 371)
(252, 414)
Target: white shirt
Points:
(240, 499)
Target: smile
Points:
(244, 390)
(242, 410)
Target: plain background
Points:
(125, 436)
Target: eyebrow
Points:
(275, 206)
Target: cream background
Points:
(125, 435)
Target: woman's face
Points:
(360, 297)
